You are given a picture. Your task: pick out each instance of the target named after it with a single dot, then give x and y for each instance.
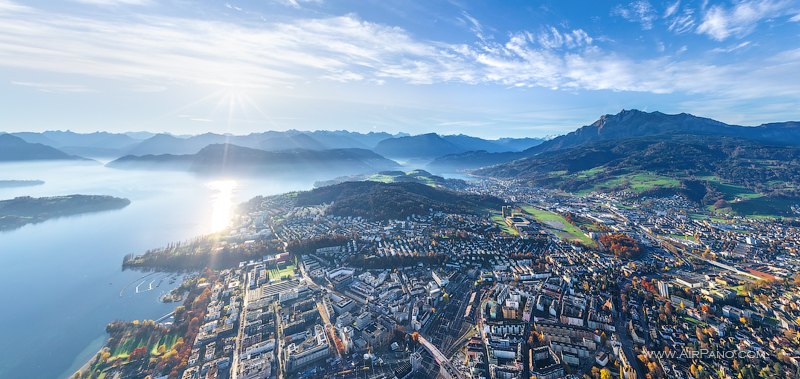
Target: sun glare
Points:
(222, 206)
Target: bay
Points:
(61, 280)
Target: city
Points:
(400, 189)
(609, 287)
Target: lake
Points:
(61, 281)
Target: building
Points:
(663, 289)
(314, 348)
(544, 364)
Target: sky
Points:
(484, 68)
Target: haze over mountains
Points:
(347, 153)
(432, 145)
(13, 148)
(114, 145)
(228, 158)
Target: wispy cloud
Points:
(298, 3)
(474, 25)
(153, 52)
(733, 48)
(53, 87)
(672, 9)
(681, 21)
(115, 2)
(638, 11)
(552, 38)
(741, 19)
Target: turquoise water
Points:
(61, 281)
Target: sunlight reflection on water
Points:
(222, 205)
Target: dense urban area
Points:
(508, 281)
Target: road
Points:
(448, 370)
(240, 331)
(621, 327)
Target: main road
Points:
(448, 370)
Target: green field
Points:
(732, 192)
(643, 181)
(748, 203)
(168, 341)
(277, 273)
(559, 225)
(498, 219)
(764, 207)
(125, 348)
(683, 237)
(636, 182)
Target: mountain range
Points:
(426, 146)
(229, 158)
(630, 124)
(432, 145)
(747, 170)
(13, 148)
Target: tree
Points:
(138, 353)
(605, 373)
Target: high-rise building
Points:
(663, 289)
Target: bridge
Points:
(446, 368)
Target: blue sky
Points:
(485, 68)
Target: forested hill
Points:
(631, 124)
(381, 201)
(237, 159)
(691, 165)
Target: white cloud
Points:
(733, 48)
(168, 49)
(796, 18)
(552, 38)
(638, 11)
(682, 22)
(672, 8)
(474, 25)
(152, 53)
(231, 6)
(720, 23)
(344, 76)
